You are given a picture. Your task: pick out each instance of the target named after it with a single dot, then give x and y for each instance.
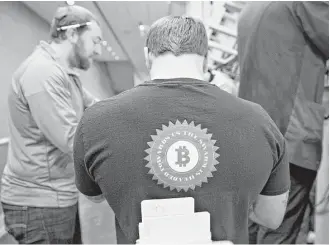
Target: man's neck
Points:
(62, 53)
(169, 66)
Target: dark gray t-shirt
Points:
(180, 138)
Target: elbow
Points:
(270, 220)
(63, 142)
(66, 145)
(66, 148)
(273, 225)
(273, 222)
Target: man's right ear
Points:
(145, 51)
(72, 36)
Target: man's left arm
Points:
(84, 180)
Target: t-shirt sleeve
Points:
(84, 180)
(279, 179)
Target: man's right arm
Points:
(50, 105)
(88, 98)
(269, 211)
(270, 206)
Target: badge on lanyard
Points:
(181, 156)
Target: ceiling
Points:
(120, 24)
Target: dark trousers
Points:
(42, 225)
(301, 184)
(77, 238)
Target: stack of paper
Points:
(173, 221)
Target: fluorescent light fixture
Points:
(142, 27)
(104, 43)
(109, 48)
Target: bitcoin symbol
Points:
(183, 153)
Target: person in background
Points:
(283, 48)
(221, 80)
(176, 136)
(224, 82)
(46, 101)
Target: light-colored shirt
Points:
(46, 101)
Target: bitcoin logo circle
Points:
(181, 156)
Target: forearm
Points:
(269, 211)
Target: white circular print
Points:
(182, 156)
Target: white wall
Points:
(141, 79)
(199, 9)
(97, 80)
(20, 32)
(121, 74)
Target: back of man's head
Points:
(67, 16)
(177, 35)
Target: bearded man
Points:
(46, 101)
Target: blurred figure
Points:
(282, 49)
(180, 136)
(46, 101)
(221, 80)
(224, 82)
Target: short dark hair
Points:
(177, 35)
(70, 15)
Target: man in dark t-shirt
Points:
(179, 136)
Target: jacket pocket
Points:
(304, 133)
(312, 143)
(15, 218)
